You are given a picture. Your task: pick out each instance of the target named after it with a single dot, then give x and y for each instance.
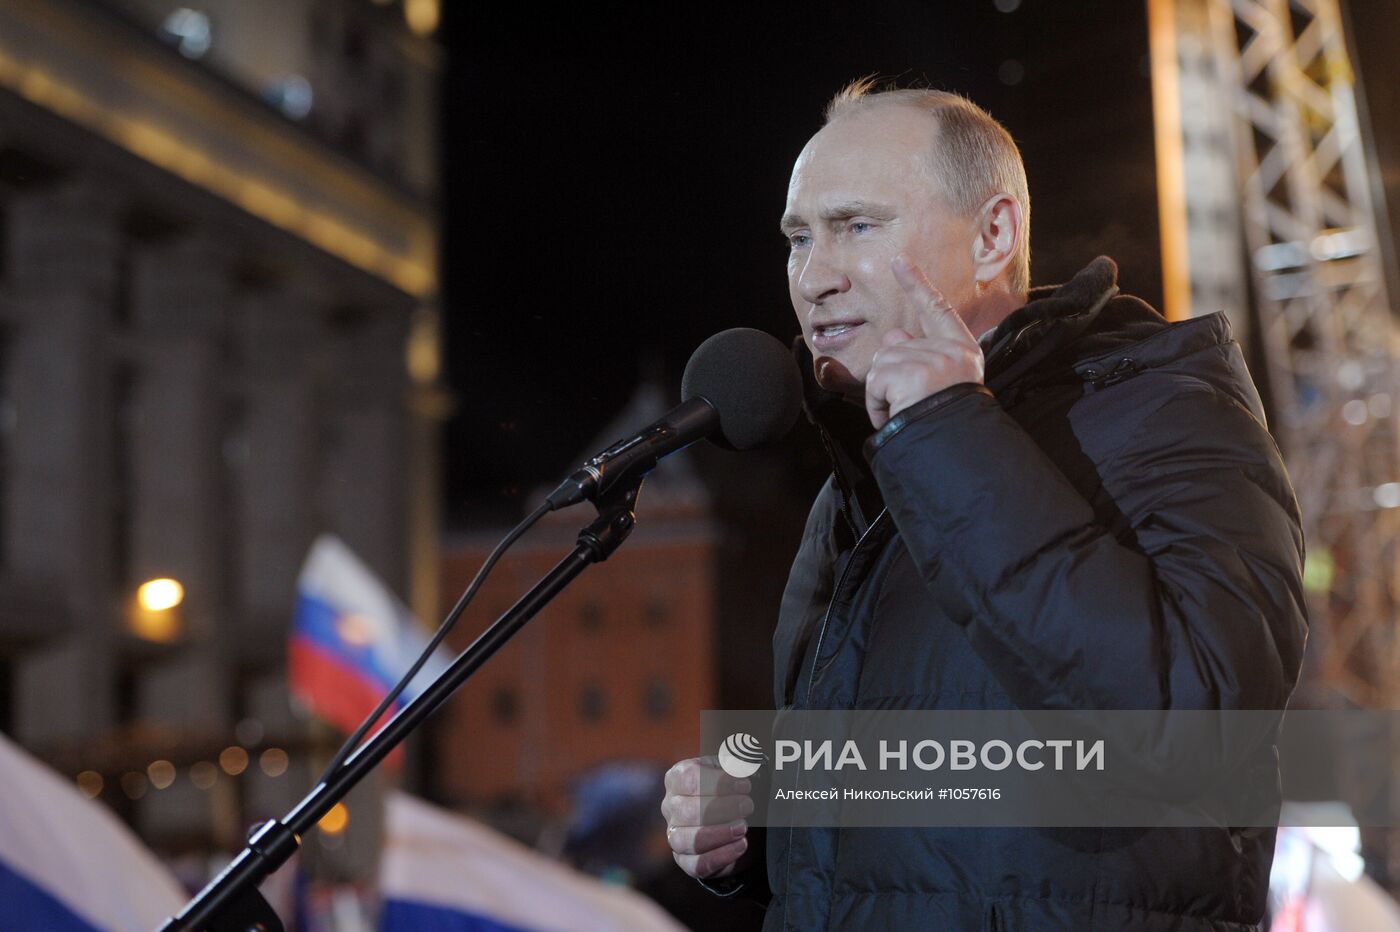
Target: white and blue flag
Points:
(67, 863)
(444, 872)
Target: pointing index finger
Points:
(939, 319)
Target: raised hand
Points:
(909, 367)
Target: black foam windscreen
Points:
(752, 380)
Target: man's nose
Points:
(822, 276)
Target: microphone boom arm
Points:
(229, 900)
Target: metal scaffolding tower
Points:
(1269, 85)
(1325, 318)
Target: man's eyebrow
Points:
(840, 211)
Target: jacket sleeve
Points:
(1196, 603)
(750, 877)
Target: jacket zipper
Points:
(821, 632)
(841, 485)
(816, 656)
(841, 582)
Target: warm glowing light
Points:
(355, 630)
(161, 772)
(334, 821)
(424, 357)
(413, 272)
(273, 762)
(154, 618)
(422, 15)
(159, 627)
(1171, 173)
(204, 775)
(159, 595)
(90, 783)
(234, 760)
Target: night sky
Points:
(613, 182)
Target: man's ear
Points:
(996, 234)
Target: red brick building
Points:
(617, 667)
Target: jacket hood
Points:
(1060, 324)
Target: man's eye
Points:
(798, 239)
(860, 226)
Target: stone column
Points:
(180, 297)
(63, 247)
(364, 460)
(273, 450)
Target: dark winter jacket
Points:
(1107, 524)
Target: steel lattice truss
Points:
(1326, 322)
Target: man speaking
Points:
(1042, 498)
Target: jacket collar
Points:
(1053, 318)
(1031, 341)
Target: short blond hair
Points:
(974, 156)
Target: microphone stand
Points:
(231, 902)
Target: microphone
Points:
(741, 388)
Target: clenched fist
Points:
(705, 811)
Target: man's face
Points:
(863, 191)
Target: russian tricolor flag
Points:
(67, 863)
(351, 638)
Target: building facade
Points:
(616, 669)
(218, 338)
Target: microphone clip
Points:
(617, 516)
(636, 455)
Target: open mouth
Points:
(835, 335)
